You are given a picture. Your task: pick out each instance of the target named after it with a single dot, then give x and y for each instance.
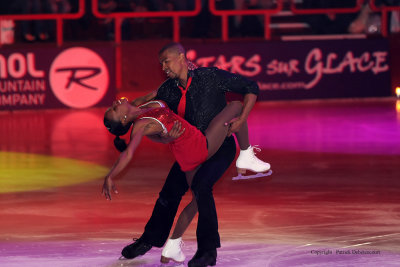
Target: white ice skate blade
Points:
(258, 175)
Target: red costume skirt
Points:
(191, 150)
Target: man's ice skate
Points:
(137, 248)
(173, 251)
(247, 160)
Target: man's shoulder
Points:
(205, 70)
(168, 84)
(168, 90)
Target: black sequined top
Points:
(206, 95)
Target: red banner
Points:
(76, 77)
(304, 69)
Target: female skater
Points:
(191, 148)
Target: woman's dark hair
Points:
(117, 129)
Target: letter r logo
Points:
(79, 77)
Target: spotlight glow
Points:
(398, 92)
(26, 172)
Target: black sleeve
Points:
(170, 94)
(162, 91)
(230, 82)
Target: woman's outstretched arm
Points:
(140, 129)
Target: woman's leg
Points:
(172, 249)
(185, 218)
(218, 129)
(215, 134)
(188, 212)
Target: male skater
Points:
(197, 95)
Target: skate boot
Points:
(137, 248)
(247, 160)
(203, 258)
(173, 251)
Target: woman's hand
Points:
(108, 186)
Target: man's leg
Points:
(159, 225)
(203, 182)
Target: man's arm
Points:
(239, 84)
(236, 83)
(174, 133)
(248, 104)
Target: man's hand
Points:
(174, 133)
(108, 186)
(176, 130)
(234, 125)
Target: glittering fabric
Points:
(206, 95)
(190, 149)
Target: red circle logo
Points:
(79, 77)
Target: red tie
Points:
(182, 102)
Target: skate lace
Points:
(256, 148)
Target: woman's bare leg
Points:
(215, 134)
(188, 213)
(218, 128)
(217, 131)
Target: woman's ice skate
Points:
(173, 251)
(247, 160)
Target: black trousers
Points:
(159, 226)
